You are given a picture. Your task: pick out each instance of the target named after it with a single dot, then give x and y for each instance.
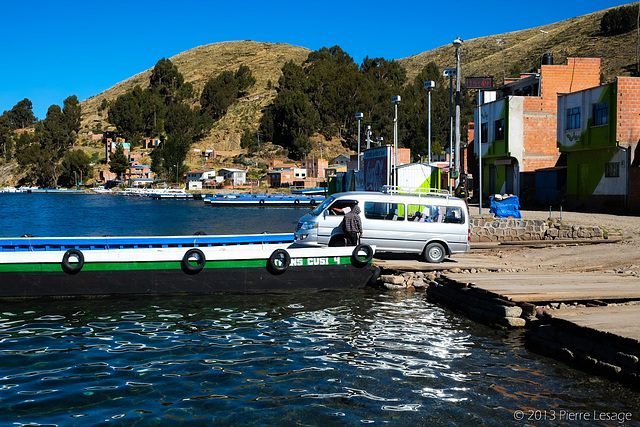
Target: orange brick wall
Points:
(540, 113)
(628, 111)
(578, 74)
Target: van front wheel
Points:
(337, 241)
(434, 253)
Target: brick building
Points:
(110, 140)
(518, 128)
(315, 167)
(598, 132)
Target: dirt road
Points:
(621, 257)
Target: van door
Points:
(330, 221)
(440, 222)
(385, 226)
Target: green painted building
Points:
(598, 131)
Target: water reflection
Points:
(337, 358)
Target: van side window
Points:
(454, 215)
(338, 207)
(382, 210)
(426, 213)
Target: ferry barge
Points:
(32, 267)
(263, 200)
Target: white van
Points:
(434, 226)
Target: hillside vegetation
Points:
(198, 65)
(499, 55)
(575, 37)
(578, 37)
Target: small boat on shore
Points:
(263, 200)
(170, 193)
(32, 267)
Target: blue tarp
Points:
(505, 208)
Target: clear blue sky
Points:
(54, 49)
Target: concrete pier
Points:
(590, 320)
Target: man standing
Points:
(352, 226)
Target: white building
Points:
(201, 175)
(236, 176)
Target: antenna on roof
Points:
(543, 34)
(500, 42)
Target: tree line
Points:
(43, 148)
(321, 96)
(168, 110)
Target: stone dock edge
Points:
(588, 349)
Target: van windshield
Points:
(317, 211)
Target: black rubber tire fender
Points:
(296, 201)
(67, 266)
(373, 280)
(200, 259)
(357, 260)
(278, 261)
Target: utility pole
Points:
(359, 116)
(429, 86)
(396, 100)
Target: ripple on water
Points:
(330, 358)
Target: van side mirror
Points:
(324, 214)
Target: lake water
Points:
(299, 359)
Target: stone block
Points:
(391, 279)
(505, 311)
(514, 322)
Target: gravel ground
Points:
(622, 257)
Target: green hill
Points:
(578, 37)
(575, 37)
(200, 64)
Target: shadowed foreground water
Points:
(333, 358)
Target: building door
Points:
(492, 179)
(583, 181)
(509, 180)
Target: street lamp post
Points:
(457, 43)
(396, 100)
(359, 116)
(479, 152)
(450, 72)
(429, 86)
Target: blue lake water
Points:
(299, 359)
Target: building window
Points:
(573, 118)
(498, 129)
(600, 113)
(484, 132)
(612, 170)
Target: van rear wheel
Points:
(434, 253)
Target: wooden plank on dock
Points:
(546, 287)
